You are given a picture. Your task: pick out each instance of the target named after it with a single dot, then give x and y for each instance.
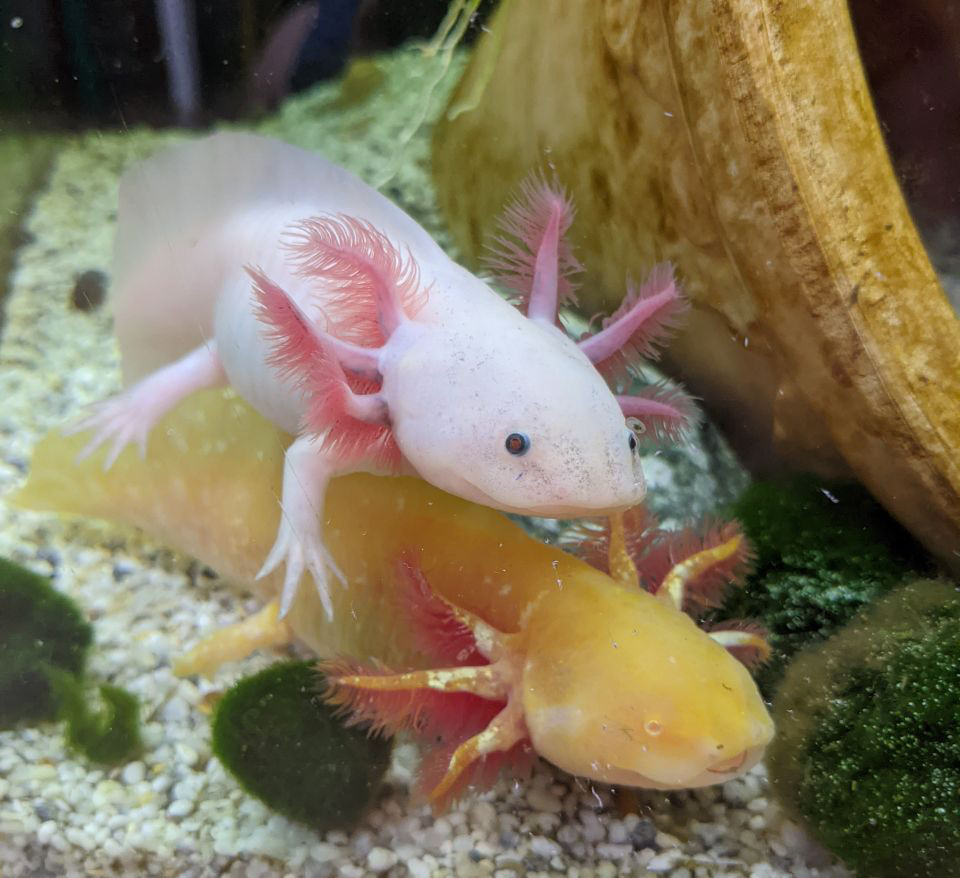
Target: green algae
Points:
(867, 753)
(823, 551)
(288, 748)
(108, 734)
(26, 160)
(44, 643)
(40, 629)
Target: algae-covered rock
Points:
(867, 752)
(40, 629)
(288, 748)
(824, 550)
(44, 641)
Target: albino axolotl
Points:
(244, 261)
(487, 645)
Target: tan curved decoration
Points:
(738, 139)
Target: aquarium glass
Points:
(479, 438)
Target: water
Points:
(782, 388)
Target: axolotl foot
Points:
(467, 714)
(307, 469)
(299, 552)
(129, 416)
(119, 420)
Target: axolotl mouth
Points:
(549, 510)
(718, 772)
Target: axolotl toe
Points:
(245, 261)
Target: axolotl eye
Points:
(635, 427)
(517, 444)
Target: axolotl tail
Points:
(172, 251)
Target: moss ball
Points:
(867, 752)
(824, 550)
(39, 629)
(286, 747)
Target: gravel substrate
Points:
(176, 811)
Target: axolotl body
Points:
(244, 261)
(487, 645)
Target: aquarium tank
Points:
(479, 438)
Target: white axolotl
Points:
(247, 261)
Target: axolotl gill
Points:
(244, 261)
(487, 645)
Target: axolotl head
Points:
(638, 695)
(491, 402)
(499, 405)
(509, 413)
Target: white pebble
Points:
(380, 859)
(617, 832)
(544, 847)
(484, 816)
(176, 710)
(544, 800)
(187, 755)
(41, 772)
(593, 829)
(614, 851)
(46, 831)
(111, 848)
(323, 852)
(133, 772)
(665, 861)
(606, 869)
(757, 805)
(418, 868)
(79, 838)
(180, 808)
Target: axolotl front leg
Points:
(308, 467)
(307, 470)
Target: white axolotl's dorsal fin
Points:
(167, 269)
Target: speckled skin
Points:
(614, 684)
(459, 376)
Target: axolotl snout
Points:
(563, 465)
(244, 261)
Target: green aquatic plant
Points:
(108, 734)
(473, 88)
(361, 80)
(292, 751)
(44, 641)
(439, 53)
(822, 551)
(867, 753)
(40, 629)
